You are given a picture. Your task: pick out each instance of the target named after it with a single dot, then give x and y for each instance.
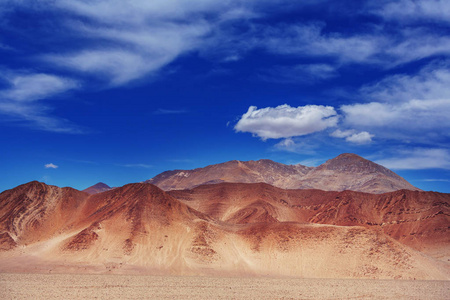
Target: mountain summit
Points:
(97, 188)
(344, 172)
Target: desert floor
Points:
(70, 286)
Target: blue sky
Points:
(119, 91)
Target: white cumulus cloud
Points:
(285, 121)
(51, 166)
(362, 137)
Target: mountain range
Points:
(230, 228)
(345, 172)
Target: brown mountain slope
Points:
(139, 228)
(418, 219)
(345, 172)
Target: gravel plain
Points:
(77, 286)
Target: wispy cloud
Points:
(405, 106)
(414, 114)
(135, 52)
(382, 46)
(435, 180)
(310, 40)
(29, 87)
(412, 10)
(139, 46)
(431, 82)
(296, 145)
(5, 47)
(114, 66)
(145, 166)
(419, 158)
(162, 111)
(181, 160)
(115, 50)
(159, 32)
(51, 166)
(298, 74)
(27, 96)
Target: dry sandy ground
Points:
(65, 286)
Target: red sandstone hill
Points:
(231, 229)
(345, 172)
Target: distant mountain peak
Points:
(101, 185)
(97, 188)
(347, 159)
(349, 156)
(353, 163)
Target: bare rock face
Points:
(97, 188)
(345, 172)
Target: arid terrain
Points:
(63, 286)
(226, 230)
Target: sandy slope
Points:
(277, 249)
